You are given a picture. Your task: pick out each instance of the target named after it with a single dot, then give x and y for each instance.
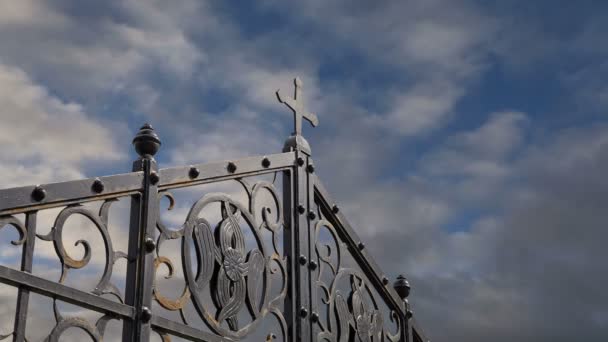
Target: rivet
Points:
(97, 186)
(314, 317)
(335, 208)
(312, 265)
(193, 173)
(301, 209)
(300, 161)
(265, 162)
(231, 167)
(409, 314)
(38, 194)
(385, 280)
(361, 245)
(154, 178)
(150, 244)
(311, 215)
(310, 168)
(302, 260)
(303, 312)
(146, 314)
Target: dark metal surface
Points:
(230, 268)
(27, 256)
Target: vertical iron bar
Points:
(311, 221)
(289, 251)
(144, 210)
(23, 297)
(299, 251)
(302, 251)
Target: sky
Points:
(466, 141)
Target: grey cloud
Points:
(533, 270)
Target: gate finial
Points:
(146, 141)
(297, 107)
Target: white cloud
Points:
(44, 137)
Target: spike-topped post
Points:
(142, 231)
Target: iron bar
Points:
(144, 210)
(18, 200)
(70, 295)
(177, 177)
(185, 331)
(23, 297)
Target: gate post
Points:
(142, 238)
(299, 243)
(298, 200)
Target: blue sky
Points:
(467, 141)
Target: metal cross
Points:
(297, 107)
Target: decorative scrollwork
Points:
(95, 332)
(354, 315)
(18, 225)
(236, 275)
(3, 337)
(100, 220)
(165, 302)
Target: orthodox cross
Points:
(297, 107)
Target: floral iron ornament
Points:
(229, 290)
(364, 319)
(235, 277)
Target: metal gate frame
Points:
(306, 208)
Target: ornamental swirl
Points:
(229, 268)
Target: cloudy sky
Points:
(466, 141)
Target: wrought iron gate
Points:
(292, 258)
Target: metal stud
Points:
(231, 167)
(302, 260)
(97, 186)
(385, 281)
(38, 194)
(154, 177)
(303, 312)
(150, 244)
(193, 173)
(335, 209)
(146, 314)
(312, 265)
(361, 245)
(301, 209)
(314, 317)
(300, 161)
(266, 162)
(409, 314)
(310, 168)
(311, 215)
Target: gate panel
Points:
(47, 222)
(228, 239)
(355, 298)
(275, 260)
